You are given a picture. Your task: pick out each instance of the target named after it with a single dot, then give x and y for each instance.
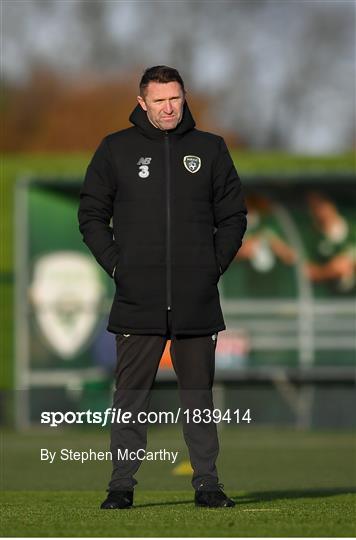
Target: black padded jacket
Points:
(178, 218)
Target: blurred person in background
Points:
(263, 243)
(334, 245)
(178, 219)
(265, 265)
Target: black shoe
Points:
(212, 497)
(118, 499)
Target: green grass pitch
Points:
(285, 483)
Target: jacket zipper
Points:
(168, 235)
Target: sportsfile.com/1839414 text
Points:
(113, 415)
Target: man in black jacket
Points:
(179, 217)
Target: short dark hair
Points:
(161, 74)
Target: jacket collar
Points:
(138, 117)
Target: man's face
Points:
(163, 103)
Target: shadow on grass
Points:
(166, 503)
(265, 496)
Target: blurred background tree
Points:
(266, 74)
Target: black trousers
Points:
(138, 357)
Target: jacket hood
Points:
(139, 118)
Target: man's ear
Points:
(142, 102)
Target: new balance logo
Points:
(144, 161)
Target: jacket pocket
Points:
(218, 268)
(115, 272)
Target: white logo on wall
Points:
(66, 292)
(192, 163)
(143, 170)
